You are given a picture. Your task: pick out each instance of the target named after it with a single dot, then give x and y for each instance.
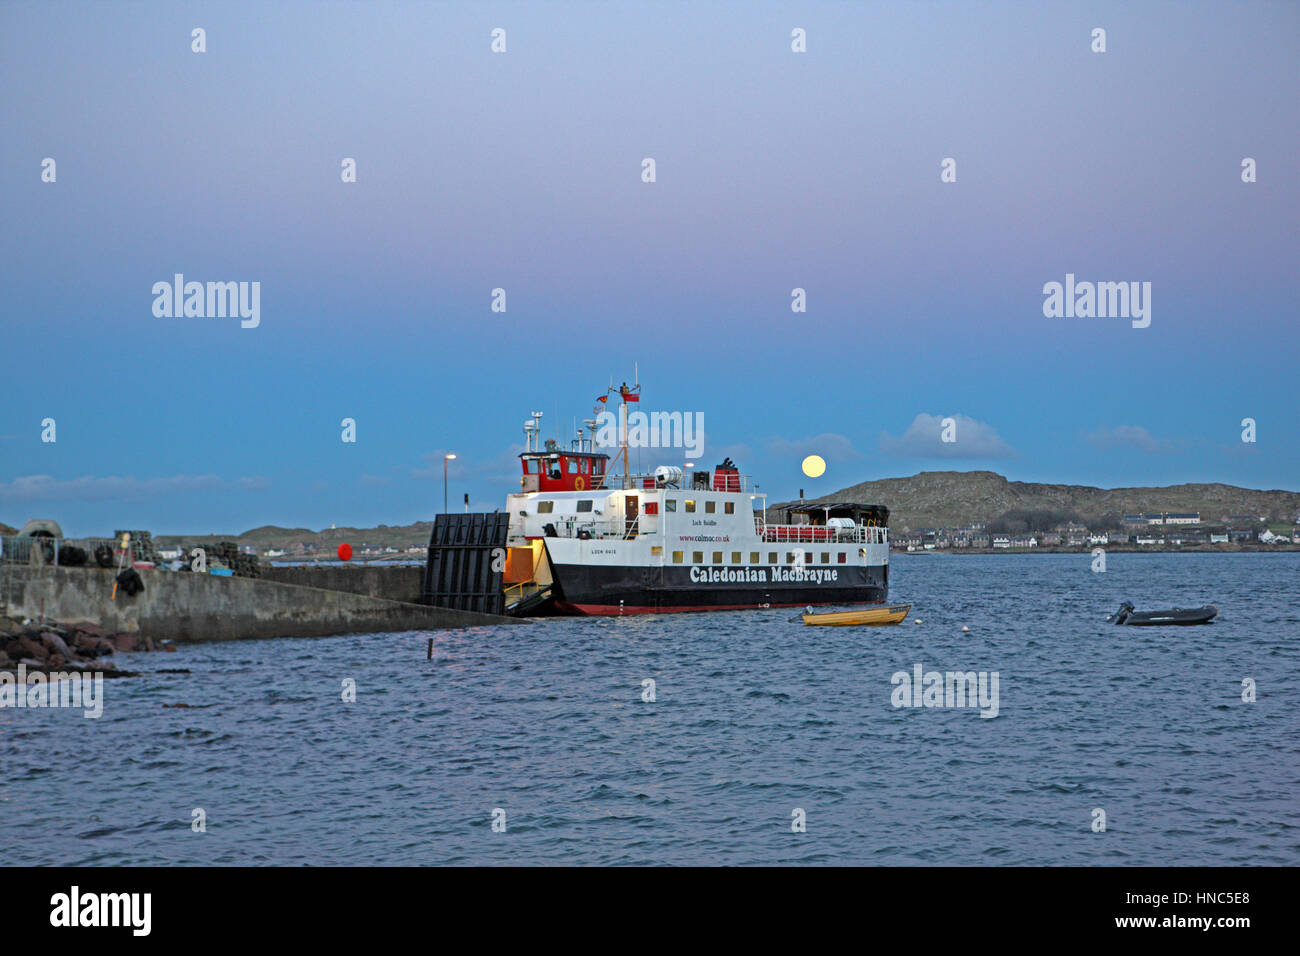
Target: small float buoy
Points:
(964, 628)
(918, 620)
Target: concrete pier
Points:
(395, 582)
(184, 606)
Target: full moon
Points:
(814, 466)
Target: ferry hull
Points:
(597, 590)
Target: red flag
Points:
(629, 395)
(603, 398)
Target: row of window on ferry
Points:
(791, 557)
(577, 466)
(670, 504)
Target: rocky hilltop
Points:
(948, 499)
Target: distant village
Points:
(1170, 529)
(299, 551)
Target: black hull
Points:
(1178, 617)
(593, 589)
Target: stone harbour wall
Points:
(184, 606)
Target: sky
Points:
(522, 170)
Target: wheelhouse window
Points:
(573, 466)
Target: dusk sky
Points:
(522, 170)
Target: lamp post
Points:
(445, 459)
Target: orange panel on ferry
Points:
(519, 565)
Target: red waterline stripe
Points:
(614, 609)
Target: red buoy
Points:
(345, 552)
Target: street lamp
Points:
(445, 459)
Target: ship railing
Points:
(817, 534)
(619, 528)
(649, 482)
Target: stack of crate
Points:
(142, 547)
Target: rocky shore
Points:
(73, 646)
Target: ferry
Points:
(582, 537)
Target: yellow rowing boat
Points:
(873, 615)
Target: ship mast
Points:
(626, 395)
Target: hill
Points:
(948, 499)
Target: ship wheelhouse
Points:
(554, 469)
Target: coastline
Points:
(1109, 549)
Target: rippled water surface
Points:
(755, 716)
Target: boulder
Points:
(57, 645)
(124, 642)
(91, 645)
(27, 647)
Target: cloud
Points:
(829, 445)
(924, 439)
(739, 452)
(119, 488)
(503, 466)
(1129, 436)
(434, 466)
